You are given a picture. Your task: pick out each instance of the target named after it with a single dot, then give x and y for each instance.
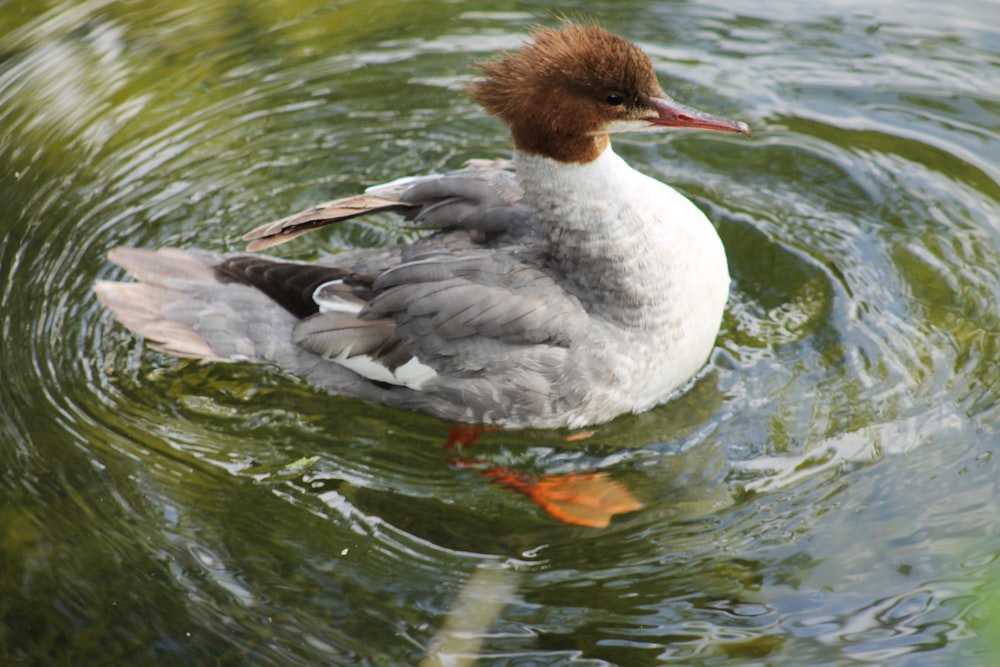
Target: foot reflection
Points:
(582, 498)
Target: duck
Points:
(560, 288)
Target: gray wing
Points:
(472, 301)
(483, 199)
(462, 315)
(479, 330)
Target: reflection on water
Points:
(826, 492)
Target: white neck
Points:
(630, 245)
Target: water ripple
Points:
(824, 490)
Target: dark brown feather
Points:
(289, 284)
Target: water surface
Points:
(824, 494)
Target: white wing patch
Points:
(412, 374)
(335, 297)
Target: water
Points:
(825, 494)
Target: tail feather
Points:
(165, 266)
(140, 307)
(184, 309)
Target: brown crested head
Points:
(562, 93)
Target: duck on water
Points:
(558, 290)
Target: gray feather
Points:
(473, 302)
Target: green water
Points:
(825, 494)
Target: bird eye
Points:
(614, 99)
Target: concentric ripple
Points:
(824, 493)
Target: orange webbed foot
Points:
(582, 499)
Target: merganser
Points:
(560, 290)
